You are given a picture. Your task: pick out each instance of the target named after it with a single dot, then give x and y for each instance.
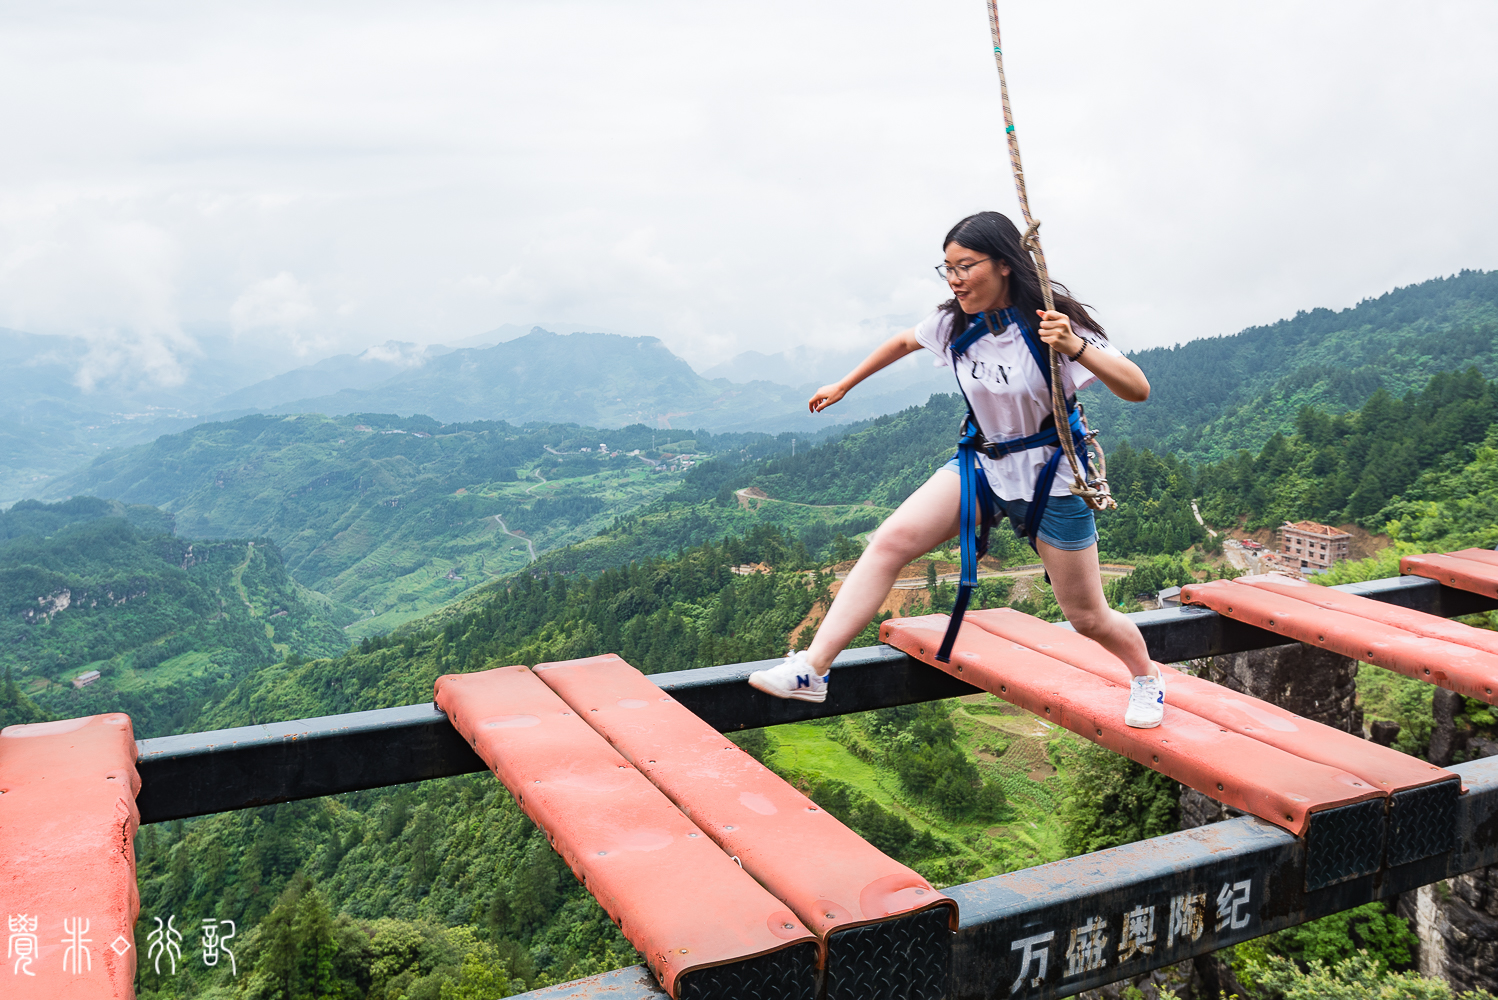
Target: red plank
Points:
(677, 897)
(1486, 556)
(1407, 619)
(832, 878)
(1455, 570)
(1381, 767)
(1248, 775)
(67, 861)
(1462, 669)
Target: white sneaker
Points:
(1146, 703)
(795, 678)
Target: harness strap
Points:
(977, 510)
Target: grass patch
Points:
(1007, 744)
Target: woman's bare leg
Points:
(1079, 591)
(927, 518)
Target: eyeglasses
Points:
(950, 272)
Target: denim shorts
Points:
(1066, 524)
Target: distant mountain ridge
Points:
(602, 380)
(364, 370)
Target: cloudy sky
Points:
(320, 177)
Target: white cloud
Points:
(337, 175)
(281, 304)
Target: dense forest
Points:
(1219, 394)
(169, 623)
(443, 889)
(392, 517)
(1344, 467)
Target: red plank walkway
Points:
(678, 898)
(67, 862)
(1381, 767)
(1462, 668)
(833, 879)
(1231, 767)
(1475, 570)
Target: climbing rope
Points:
(1095, 492)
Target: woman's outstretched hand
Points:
(1056, 331)
(825, 397)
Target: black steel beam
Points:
(203, 773)
(1058, 929)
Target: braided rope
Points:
(1095, 493)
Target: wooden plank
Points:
(1468, 569)
(1381, 767)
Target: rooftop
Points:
(1311, 527)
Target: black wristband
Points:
(1078, 355)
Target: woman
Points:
(991, 273)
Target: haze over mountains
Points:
(65, 404)
(67, 400)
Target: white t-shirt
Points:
(1009, 397)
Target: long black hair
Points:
(993, 235)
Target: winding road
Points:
(745, 495)
(505, 528)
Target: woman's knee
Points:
(895, 542)
(1091, 621)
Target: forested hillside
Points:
(859, 476)
(405, 892)
(1452, 506)
(392, 517)
(1217, 395)
(1348, 467)
(168, 623)
(1334, 467)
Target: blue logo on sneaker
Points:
(803, 681)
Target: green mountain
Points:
(1215, 396)
(91, 585)
(600, 379)
(849, 484)
(392, 517)
(1348, 467)
(64, 400)
(427, 888)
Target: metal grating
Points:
(1344, 843)
(787, 974)
(1422, 822)
(901, 959)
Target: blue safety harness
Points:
(978, 510)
